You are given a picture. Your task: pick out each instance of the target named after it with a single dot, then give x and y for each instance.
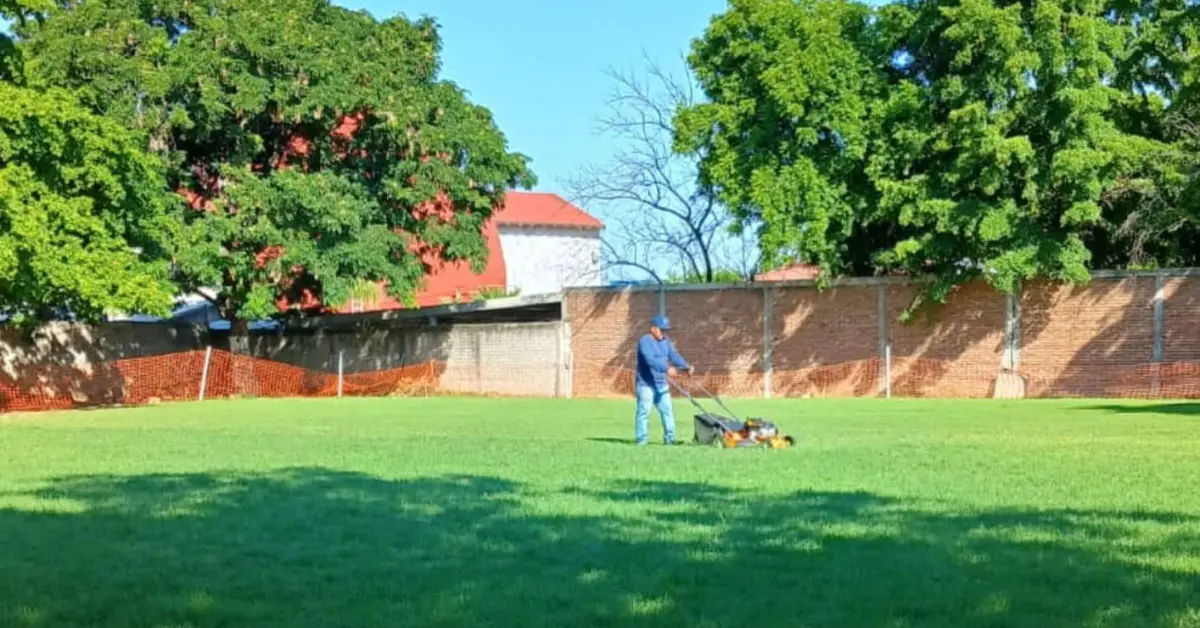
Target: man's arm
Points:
(677, 359)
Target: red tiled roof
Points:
(540, 209)
(789, 273)
(446, 281)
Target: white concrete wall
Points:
(523, 359)
(544, 261)
(66, 364)
(498, 359)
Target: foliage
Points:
(958, 139)
(84, 211)
(316, 145)
(718, 275)
(495, 292)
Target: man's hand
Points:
(671, 372)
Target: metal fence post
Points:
(768, 344)
(887, 370)
(204, 372)
(478, 361)
(881, 313)
(1160, 290)
(341, 370)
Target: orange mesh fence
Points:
(1175, 380)
(47, 394)
(620, 382)
(925, 377)
(857, 378)
(848, 379)
(178, 377)
(171, 377)
(233, 375)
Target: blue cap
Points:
(661, 322)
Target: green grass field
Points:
(539, 513)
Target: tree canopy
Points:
(952, 138)
(316, 147)
(85, 217)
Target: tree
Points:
(659, 222)
(1155, 215)
(84, 212)
(316, 146)
(957, 139)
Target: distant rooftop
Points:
(543, 209)
(791, 272)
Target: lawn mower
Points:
(730, 431)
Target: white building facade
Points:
(545, 260)
(548, 244)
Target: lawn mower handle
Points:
(687, 395)
(710, 395)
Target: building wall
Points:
(545, 261)
(496, 358)
(69, 366)
(1128, 336)
(823, 343)
(1100, 340)
(64, 365)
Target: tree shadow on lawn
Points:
(1177, 409)
(316, 547)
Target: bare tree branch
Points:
(657, 215)
(618, 260)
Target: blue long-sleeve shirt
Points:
(653, 359)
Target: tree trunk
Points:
(245, 384)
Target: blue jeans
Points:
(660, 399)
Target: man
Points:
(657, 361)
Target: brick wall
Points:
(605, 327)
(1093, 340)
(1118, 336)
(1088, 341)
(824, 343)
(722, 335)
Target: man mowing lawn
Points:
(657, 361)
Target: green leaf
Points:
(953, 139)
(245, 102)
(84, 212)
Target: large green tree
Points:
(1154, 218)
(317, 146)
(85, 216)
(953, 138)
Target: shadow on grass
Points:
(610, 440)
(315, 547)
(1178, 408)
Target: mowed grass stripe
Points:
(480, 512)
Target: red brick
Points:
(826, 343)
(1091, 340)
(954, 350)
(721, 334)
(605, 327)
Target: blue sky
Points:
(539, 65)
